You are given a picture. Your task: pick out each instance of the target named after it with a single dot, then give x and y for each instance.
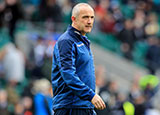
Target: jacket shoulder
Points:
(66, 38)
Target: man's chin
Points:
(87, 31)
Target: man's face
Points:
(84, 21)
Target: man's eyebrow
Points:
(86, 16)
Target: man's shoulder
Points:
(66, 37)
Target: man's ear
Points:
(73, 18)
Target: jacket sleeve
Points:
(68, 70)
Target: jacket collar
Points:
(73, 31)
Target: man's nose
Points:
(89, 20)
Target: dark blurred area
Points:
(30, 28)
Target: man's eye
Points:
(92, 16)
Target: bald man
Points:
(73, 76)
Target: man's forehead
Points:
(86, 7)
(87, 10)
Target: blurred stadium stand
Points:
(119, 69)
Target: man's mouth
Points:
(88, 26)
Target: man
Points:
(73, 78)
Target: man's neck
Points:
(74, 26)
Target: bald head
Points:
(76, 9)
(83, 17)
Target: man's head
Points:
(83, 17)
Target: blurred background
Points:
(125, 44)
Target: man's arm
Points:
(68, 71)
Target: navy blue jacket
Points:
(73, 75)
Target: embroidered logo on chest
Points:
(79, 45)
